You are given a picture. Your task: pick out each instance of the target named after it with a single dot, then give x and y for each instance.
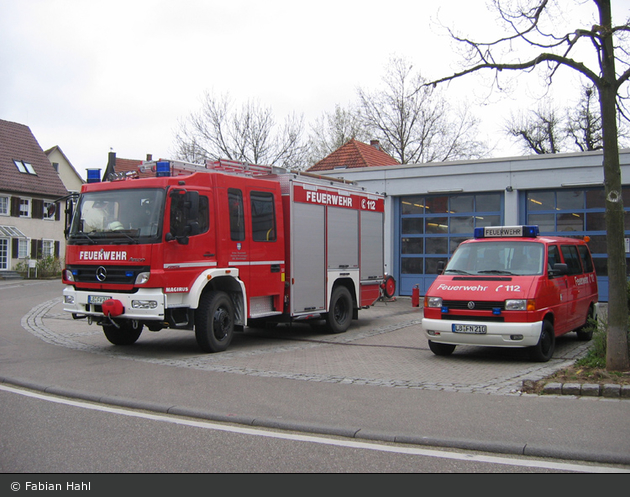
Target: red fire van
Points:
(511, 287)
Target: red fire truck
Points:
(218, 247)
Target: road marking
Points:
(459, 456)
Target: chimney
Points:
(149, 157)
(111, 165)
(376, 144)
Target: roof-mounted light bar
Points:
(507, 231)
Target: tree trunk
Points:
(617, 352)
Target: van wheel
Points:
(125, 335)
(585, 332)
(543, 350)
(214, 322)
(340, 313)
(442, 349)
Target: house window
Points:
(24, 167)
(49, 210)
(23, 245)
(4, 206)
(25, 207)
(48, 248)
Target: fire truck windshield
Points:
(118, 216)
(497, 257)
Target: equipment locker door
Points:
(308, 258)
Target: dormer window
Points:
(24, 167)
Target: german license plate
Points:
(479, 329)
(97, 299)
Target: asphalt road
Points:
(378, 382)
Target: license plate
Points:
(479, 329)
(97, 299)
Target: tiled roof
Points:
(355, 154)
(18, 143)
(126, 165)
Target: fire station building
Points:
(431, 208)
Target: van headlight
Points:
(433, 302)
(520, 305)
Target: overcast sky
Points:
(92, 75)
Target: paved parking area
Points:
(384, 347)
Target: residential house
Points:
(69, 176)
(355, 154)
(30, 227)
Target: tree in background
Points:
(415, 123)
(533, 29)
(333, 130)
(540, 131)
(249, 134)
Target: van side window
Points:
(263, 217)
(587, 261)
(571, 257)
(237, 216)
(553, 256)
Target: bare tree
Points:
(249, 134)
(584, 123)
(334, 130)
(530, 27)
(414, 122)
(541, 131)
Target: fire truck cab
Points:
(511, 287)
(222, 246)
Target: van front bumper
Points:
(496, 335)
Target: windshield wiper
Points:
(458, 271)
(495, 271)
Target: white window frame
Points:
(48, 248)
(24, 248)
(25, 202)
(5, 205)
(45, 215)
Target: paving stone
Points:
(625, 392)
(590, 390)
(611, 390)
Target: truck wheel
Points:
(340, 313)
(585, 332)
(214, 322)
(441, 348)
(543, 350)
(125, 335)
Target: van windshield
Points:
(497, 257)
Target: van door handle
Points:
(275, 268)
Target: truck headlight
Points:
(143, 304)
(142, 278)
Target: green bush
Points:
(596, 355)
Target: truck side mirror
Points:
(184, 214)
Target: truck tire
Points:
(543, 350)
(585, 332)
(442, 349)
(340, 313)
(214, 322)
(125, 335)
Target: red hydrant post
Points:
(415, 296)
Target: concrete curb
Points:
(608, 390)
(355, 432)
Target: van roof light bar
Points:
(507, 231)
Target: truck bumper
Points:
(146, 304)
(497, 334)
